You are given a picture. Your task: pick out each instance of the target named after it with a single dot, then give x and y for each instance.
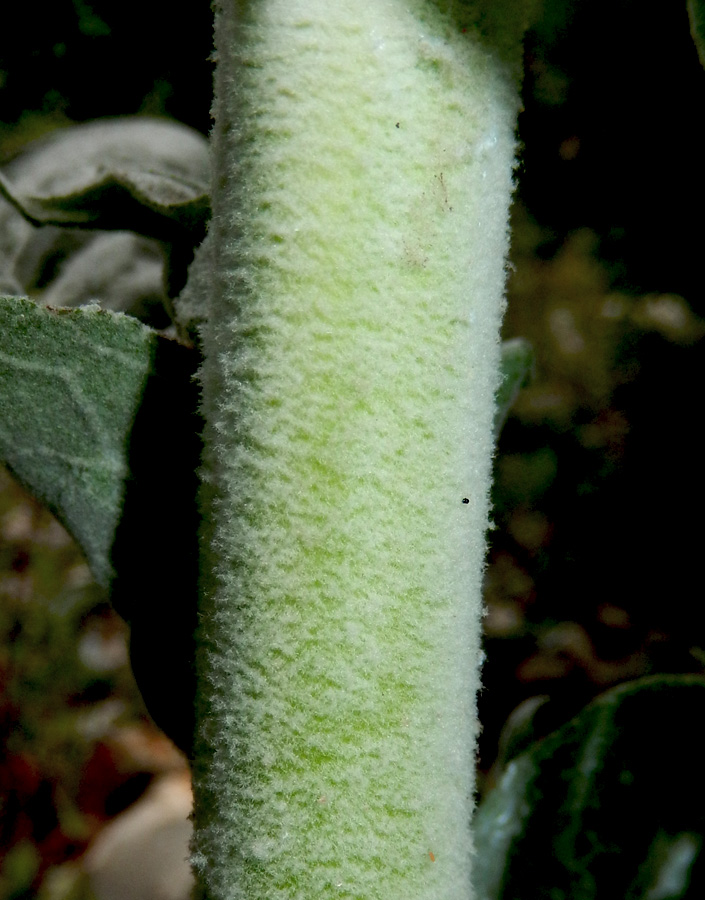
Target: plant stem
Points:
(363, 172)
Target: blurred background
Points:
(594, 573)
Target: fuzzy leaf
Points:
(139, 174)
(517, 362)
(192, 304)
(610, 805)
(120, 271)
(71, 383)
(98, 418)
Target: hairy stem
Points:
(363, 173)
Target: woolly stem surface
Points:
(363, 172)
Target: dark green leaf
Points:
(696, 13)
(611, 805)
(517, 362)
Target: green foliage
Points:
(98, 420)
(500, 24)
(71, 383)
(598, 808)
(18, 869)
(696, 13)
(591, 810)
(517, 363)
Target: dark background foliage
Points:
(594, 572)
(77, 60)
(596, 558)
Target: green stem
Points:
(363, 156)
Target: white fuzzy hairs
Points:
(364, 155)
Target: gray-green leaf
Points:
(119, 270)
(71, 384)
(98, 418)
(144, 175)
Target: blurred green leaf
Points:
(18, 869)
(696, 13)
(517, 362)
(610, 805)
(71, 383)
